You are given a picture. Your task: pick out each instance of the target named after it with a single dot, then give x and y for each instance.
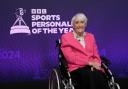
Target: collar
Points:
(77, 36)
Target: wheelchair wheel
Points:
(116, 86)
(55, 80)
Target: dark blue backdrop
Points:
(31, 57)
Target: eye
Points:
(77, 22)
(81, 21)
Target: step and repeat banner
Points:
(29, 30)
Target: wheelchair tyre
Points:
(116, 86)
(55, 80)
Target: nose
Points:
(80, 24)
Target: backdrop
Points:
(29, 30)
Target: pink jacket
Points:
(76, 55)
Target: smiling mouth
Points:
(80, 28)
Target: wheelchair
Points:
(60, 77)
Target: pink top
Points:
(76, 55)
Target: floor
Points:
(43, 84)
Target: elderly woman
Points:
(81, 53)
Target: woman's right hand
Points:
(95, 65)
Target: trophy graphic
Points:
(19, 25)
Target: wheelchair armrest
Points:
(106, 70)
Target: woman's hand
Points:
(95, 65)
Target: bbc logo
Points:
(38, 11)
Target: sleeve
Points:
(95, 51)
(70, 55)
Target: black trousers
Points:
(84, 78)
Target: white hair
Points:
(80, 16)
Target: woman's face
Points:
(79, 26)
